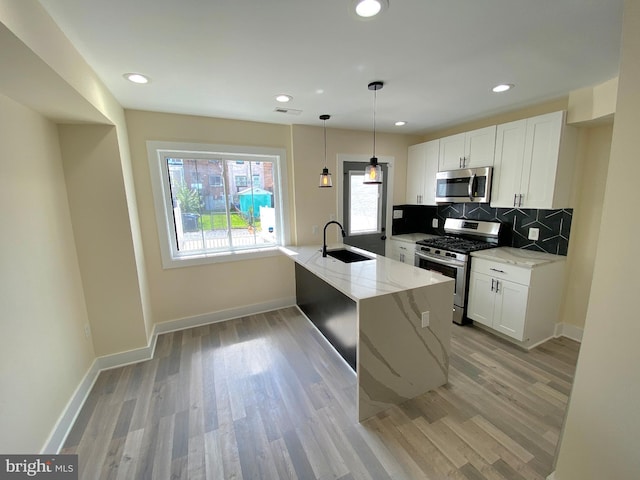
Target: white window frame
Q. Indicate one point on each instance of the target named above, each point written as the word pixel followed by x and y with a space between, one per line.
pixel 171 258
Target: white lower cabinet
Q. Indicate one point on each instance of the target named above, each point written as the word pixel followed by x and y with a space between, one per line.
pixel 519 302
pixel 401 251
pixel 499 304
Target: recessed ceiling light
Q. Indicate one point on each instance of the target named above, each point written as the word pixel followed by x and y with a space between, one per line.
pixel 400 123
pixel 136 77
pixel 503 87
pixel 369 8
pixel 282 98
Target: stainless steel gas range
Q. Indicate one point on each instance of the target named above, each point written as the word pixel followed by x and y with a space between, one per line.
pixel 450 255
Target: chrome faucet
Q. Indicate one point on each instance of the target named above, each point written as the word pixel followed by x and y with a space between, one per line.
pixel 324 236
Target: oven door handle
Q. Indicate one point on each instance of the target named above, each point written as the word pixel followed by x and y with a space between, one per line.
pixel 440 260
pixel 472 179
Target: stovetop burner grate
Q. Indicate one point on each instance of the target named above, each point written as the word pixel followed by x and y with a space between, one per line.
pixel 456 244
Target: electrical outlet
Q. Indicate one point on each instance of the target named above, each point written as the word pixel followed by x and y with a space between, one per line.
pixel 314 229
pixel 434 223
pixel 87 330
pixel 534 233
pixel 425 319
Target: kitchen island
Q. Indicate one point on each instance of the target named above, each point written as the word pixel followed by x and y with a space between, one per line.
pixel 373 312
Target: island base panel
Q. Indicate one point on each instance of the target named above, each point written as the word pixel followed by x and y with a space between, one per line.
pixel 332 312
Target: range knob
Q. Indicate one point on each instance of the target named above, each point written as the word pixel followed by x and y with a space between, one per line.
pixel 426 249
pixel 437 252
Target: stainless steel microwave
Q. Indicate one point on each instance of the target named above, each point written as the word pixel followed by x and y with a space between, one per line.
pixel 465 185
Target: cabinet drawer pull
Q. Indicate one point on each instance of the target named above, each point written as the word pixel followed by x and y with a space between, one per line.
pixel 496 270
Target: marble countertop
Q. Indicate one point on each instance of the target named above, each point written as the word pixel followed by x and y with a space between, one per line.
pixel 413 237
pixel 518 256
pixel 366 279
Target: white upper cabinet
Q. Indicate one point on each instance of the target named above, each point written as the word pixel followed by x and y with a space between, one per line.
pixel 468 150
pixel 422 165
pixel 534 163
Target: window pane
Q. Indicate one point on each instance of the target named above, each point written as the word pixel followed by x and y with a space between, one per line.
pixel 219 202
pixel 364 206
pixel 249 206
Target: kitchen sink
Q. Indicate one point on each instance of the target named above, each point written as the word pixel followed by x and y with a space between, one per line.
pixel 347 256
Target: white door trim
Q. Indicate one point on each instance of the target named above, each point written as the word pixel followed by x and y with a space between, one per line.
pixel 348 157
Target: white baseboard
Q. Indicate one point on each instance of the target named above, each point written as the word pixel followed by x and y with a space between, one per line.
pixel 569 331
pixel 222 315
pixel 71 411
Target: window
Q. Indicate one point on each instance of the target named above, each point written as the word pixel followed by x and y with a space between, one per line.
pixel 215 180
pixel 224 218
pixel 365 206
pixel 241 180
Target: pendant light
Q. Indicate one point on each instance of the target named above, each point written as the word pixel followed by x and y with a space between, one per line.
pixel 373 172
pixel 325 176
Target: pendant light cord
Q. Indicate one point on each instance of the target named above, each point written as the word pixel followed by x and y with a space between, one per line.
pixel 375 97
pixel 325 142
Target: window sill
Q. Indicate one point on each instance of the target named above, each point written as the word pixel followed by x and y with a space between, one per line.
pixel 206 259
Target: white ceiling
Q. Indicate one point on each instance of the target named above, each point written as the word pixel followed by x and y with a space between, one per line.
pixel 438 58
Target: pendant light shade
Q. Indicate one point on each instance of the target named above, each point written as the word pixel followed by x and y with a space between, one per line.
pixel 325 176
pixel 373 172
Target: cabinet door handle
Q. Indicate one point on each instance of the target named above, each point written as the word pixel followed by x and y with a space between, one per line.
pixel 461 162
pixel 520 199
pixel 496 270
pixel 515 196
pixel 493 281
pixel 497 286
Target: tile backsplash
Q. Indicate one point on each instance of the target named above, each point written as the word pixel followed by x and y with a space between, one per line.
pixel 554 225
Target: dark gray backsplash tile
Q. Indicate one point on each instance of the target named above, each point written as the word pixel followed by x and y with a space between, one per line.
pixel 554 225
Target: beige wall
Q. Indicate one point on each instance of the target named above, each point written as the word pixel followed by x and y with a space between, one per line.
pixel 315 205
pixel 601 438
pixel 593 161
pixel 98 206
pixel 63 87
pixel 191 291
pixel 43 351
pixel 516 114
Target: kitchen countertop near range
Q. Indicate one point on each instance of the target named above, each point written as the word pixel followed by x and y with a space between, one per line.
pixel 413 237
pixel 518 256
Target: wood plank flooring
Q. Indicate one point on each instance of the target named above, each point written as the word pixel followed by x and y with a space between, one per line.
pixel 266 397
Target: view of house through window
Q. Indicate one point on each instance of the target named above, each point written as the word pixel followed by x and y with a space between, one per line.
pixel 215 208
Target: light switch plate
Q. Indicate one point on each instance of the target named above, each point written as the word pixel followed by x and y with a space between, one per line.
pixel 425 319
pixel 434 223
pixel 534 233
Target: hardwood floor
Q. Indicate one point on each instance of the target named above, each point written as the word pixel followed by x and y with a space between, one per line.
pixel 266 397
